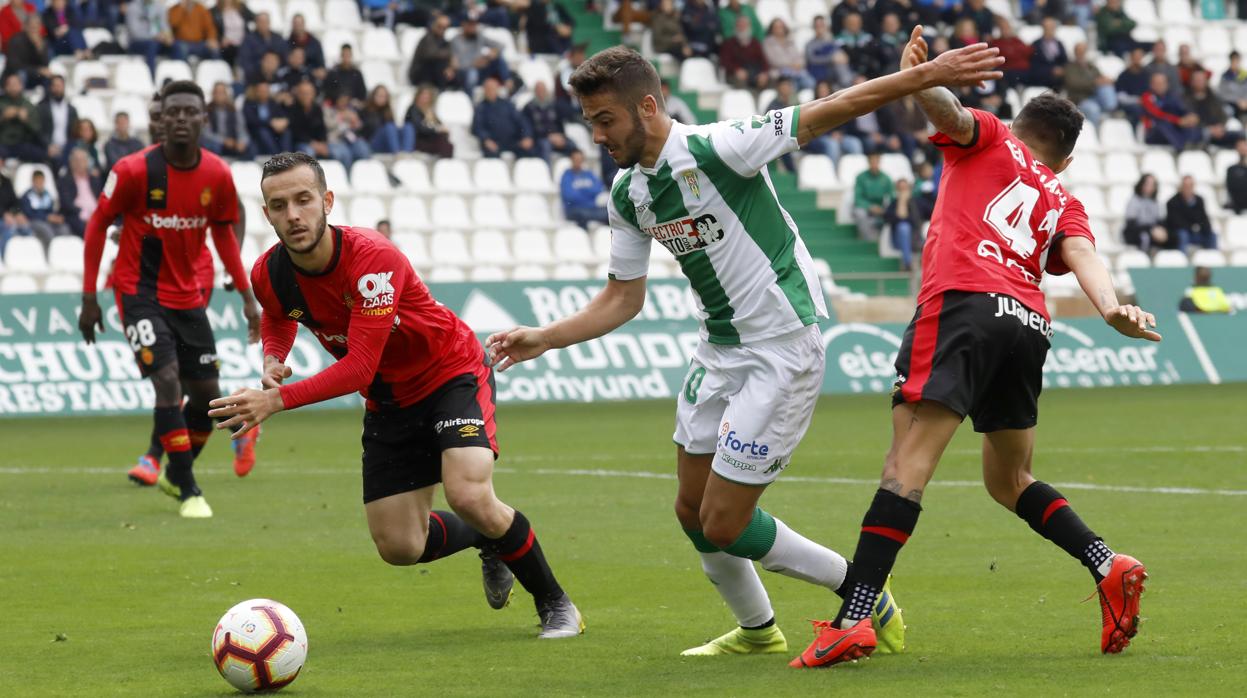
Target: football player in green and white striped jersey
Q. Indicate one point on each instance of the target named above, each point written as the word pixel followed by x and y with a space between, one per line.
pixel 703 192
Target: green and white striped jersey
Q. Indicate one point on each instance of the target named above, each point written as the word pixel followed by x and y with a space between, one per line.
pixel 710 201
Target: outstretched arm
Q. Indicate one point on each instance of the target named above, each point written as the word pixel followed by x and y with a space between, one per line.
pixel 940 105
pixel 1132 321
pixel 965 66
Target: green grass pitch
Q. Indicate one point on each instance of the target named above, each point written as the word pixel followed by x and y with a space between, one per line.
pixel 135 592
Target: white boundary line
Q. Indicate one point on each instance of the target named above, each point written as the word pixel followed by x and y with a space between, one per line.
pixel 1201 353
pixel 652 475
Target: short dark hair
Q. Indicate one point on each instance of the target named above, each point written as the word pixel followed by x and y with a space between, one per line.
pixel 283 162
pixel 620 70
pixel 1234 54
pixel 181 87
pixel 1051 123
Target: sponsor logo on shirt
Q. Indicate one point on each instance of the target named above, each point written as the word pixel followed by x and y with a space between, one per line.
pixel 110 184
pixel 295 314
pixel 468 430
pixel 460 423
pixel 777 117
pixel 331 338
pixel 377 292
pixel 156 195
pixel 174 222
pixel 685 235
pixel 205 359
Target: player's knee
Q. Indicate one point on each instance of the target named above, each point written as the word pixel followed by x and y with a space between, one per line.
pixel 477 505
pixel 721 531
pixel 167 386
pixel 398 550
pixel 1005 490
pixel 686 511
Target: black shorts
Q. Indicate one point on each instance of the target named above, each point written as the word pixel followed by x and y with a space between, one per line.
pixel 403 445
pixel 160 336
pixel 979 354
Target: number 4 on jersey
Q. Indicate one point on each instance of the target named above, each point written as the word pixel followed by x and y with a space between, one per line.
pixel 1010 214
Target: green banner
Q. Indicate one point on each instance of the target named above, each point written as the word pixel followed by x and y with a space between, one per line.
pixel 1218 342
pixel 45 368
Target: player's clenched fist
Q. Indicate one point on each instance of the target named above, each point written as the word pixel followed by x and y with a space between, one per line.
pixel 515 345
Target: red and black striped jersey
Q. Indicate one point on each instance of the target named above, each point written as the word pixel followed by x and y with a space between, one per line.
pixel 166 213
pixel 394 343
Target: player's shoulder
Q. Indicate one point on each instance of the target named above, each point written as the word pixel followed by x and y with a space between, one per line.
pixel 134 163
pixel 210 162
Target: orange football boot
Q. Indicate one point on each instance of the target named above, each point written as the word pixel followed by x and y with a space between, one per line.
pixel 146 472
pixel 833 645
pixel 1119 602
pixel 244 451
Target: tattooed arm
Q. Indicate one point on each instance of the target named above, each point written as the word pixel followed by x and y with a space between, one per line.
pixel 945 112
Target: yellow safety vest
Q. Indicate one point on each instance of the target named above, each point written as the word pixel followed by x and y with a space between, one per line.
pixel 1209 299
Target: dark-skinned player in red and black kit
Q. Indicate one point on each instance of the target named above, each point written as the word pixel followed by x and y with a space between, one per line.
pixel 976 348
pixel 169 195
pixel 147 470
pixel 429 393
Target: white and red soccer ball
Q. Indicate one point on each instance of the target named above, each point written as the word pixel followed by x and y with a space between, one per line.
pixel 259 645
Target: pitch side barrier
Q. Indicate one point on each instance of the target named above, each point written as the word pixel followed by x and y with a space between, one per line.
pixel 46 368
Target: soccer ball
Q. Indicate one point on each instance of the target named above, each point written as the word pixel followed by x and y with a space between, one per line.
pixel 259 645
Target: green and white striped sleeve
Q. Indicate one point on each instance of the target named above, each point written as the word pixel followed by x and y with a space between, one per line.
pixel 748 145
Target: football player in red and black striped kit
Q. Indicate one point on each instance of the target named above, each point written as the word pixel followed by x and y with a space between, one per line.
pixel 169 195
pixel 429 392
pixel 148 468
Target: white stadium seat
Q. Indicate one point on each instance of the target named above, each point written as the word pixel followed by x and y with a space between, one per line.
pixel 570 272
pixel 1197 164
pixel 370 176
pixel 1132 258
pixel 768 10
pixel 91 107
pixel 62 283
pixel 409 213
pixel 492 175
pixel 275 14
pixel 1238 258
pixel 529 272
pixel 414 247
pixel 209 73
pixel 1084 169
pixel 133 105
pixel 1174 12
pixel 1118 196
pixel 533 175
pixel 133 77
pixel 532 246
pixel 366 211
pixel 1236 233
pixel 341 14
pixel 335 177
pixel 1159 163
pixel 94 36
pixel 65 254
pixel 338 214
pixel 310 9
pixel 896 166
pixel 333 39
pixel 454 108
pixel 25 254
pixel 699 75
pixel 531 210
pixel 446 275
pixel 816 173
pixel 452 176
pixel 413 175
pixel 737 104
pixel 490 211
pixel 804 12
pixel 571 244
pixel 13 284
pixel 450 248
pixel 850 167
pixel 536 70
pixel 1120 168
pixel 1088 140
pixel 1208 258
pixel 491 247
pixel 450 213
pixel 380 44
pixel 1118 135
pixel 1170 259
pixel 487 272
pixel 171 70
pixel 1142 11
pixel 85 71
pixel 1092 198
pixel 247 175
pixel 257 224
pixel 379 73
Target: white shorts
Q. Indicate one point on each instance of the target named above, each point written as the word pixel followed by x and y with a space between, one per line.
pixel 750 405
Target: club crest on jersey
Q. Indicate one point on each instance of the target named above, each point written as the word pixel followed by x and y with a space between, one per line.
pixel 685 235
pixel 690 178
pixel 205 196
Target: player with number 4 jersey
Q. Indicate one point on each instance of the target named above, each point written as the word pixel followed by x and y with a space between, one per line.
pixel 976 348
